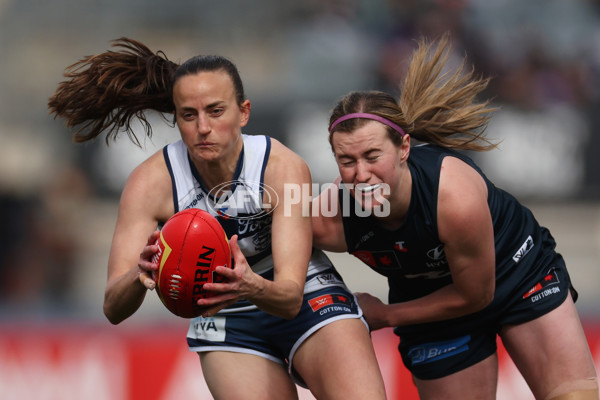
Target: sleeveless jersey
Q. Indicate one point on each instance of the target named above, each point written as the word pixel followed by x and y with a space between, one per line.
pixel 412 257
pixel 239 208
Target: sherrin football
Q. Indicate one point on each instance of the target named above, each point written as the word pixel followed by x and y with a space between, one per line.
pixel 192 244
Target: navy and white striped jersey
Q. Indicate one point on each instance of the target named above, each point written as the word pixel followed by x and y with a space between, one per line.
pixel 239 207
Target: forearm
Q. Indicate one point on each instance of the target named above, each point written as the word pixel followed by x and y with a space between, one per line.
pixel 445 303
pixel 283 298
pixel 123 296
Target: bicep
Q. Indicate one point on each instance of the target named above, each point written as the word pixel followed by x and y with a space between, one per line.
pixel 466 229
pixel 291 233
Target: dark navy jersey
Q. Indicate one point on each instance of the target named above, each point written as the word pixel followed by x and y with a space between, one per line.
pixel 412 257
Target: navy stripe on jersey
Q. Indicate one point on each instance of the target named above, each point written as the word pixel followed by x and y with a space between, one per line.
pixel 264 167
pixel 173 185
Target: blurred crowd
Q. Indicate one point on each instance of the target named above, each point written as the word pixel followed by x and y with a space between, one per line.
pixel 296 60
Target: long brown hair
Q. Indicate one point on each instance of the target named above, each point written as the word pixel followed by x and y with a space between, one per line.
pixel 107 91
pixel 434 107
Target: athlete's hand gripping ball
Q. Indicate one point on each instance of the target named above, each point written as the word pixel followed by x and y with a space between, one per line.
pixel 240 283
pixel 191 245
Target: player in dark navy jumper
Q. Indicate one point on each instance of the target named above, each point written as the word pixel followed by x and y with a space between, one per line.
pixel 464 260
pixel 286 306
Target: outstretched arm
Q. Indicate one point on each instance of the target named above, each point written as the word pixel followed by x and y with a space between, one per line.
pixel 144 202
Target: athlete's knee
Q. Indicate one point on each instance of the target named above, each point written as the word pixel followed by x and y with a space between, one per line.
pixel 580 389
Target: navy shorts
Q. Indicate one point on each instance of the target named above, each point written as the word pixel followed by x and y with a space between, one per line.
pixel 254 331
pixel 438 349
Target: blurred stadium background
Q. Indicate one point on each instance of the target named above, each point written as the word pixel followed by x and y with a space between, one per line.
pixel 58 200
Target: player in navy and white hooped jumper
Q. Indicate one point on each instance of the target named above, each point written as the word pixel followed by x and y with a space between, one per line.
pixel 243 214
pixel 283 308
pixel 465 261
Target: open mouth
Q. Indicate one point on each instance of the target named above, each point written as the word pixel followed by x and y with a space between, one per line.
pixel 367 189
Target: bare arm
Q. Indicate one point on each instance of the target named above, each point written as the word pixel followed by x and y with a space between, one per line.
pixel 327 226
pixel 465 228
pixel 145 200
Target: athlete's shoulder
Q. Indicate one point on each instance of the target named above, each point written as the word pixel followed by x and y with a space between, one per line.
pixel 149 186
pixel 284 153
pixel 154 165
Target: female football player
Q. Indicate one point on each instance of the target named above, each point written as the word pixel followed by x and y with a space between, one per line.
pixel 284 307
pixel 465 261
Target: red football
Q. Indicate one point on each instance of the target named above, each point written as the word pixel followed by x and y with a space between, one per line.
pixel 191 244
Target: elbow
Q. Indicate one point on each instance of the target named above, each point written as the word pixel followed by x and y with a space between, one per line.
pixel 483 299
pixel 292 311
pixel 111 315
pixel 113 311
pixel 292 308
pixel 317 239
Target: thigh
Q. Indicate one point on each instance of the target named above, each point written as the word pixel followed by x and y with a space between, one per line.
pixel 338 362
pixel 479 381
pixel 231 375
pixel 551 349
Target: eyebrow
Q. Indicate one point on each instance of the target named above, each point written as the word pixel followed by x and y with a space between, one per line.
pixel 366 153
pixel 216 103
pixel 208 106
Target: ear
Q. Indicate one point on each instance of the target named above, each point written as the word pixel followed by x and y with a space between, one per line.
pixel 404 148
pixel 245 108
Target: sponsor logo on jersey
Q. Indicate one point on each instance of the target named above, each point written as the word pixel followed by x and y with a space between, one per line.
pixel 546 287
pixel 195 201
pixel 525 248
pixel 211 328
pixel 435 351
pixel 328 279
pixel 400 247
pixel 325 300
pixel 438 256
pixel 437 253
pixel 365 237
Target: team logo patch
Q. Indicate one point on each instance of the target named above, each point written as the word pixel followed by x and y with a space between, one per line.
pixel 435 351
pixel 377 259
pixel 328 300
pixel 543 288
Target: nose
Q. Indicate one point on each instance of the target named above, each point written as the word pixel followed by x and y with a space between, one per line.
pixel 362 172
pixel 203 124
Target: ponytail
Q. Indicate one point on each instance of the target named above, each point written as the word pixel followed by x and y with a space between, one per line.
pixel 105 92
pixel 434 107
